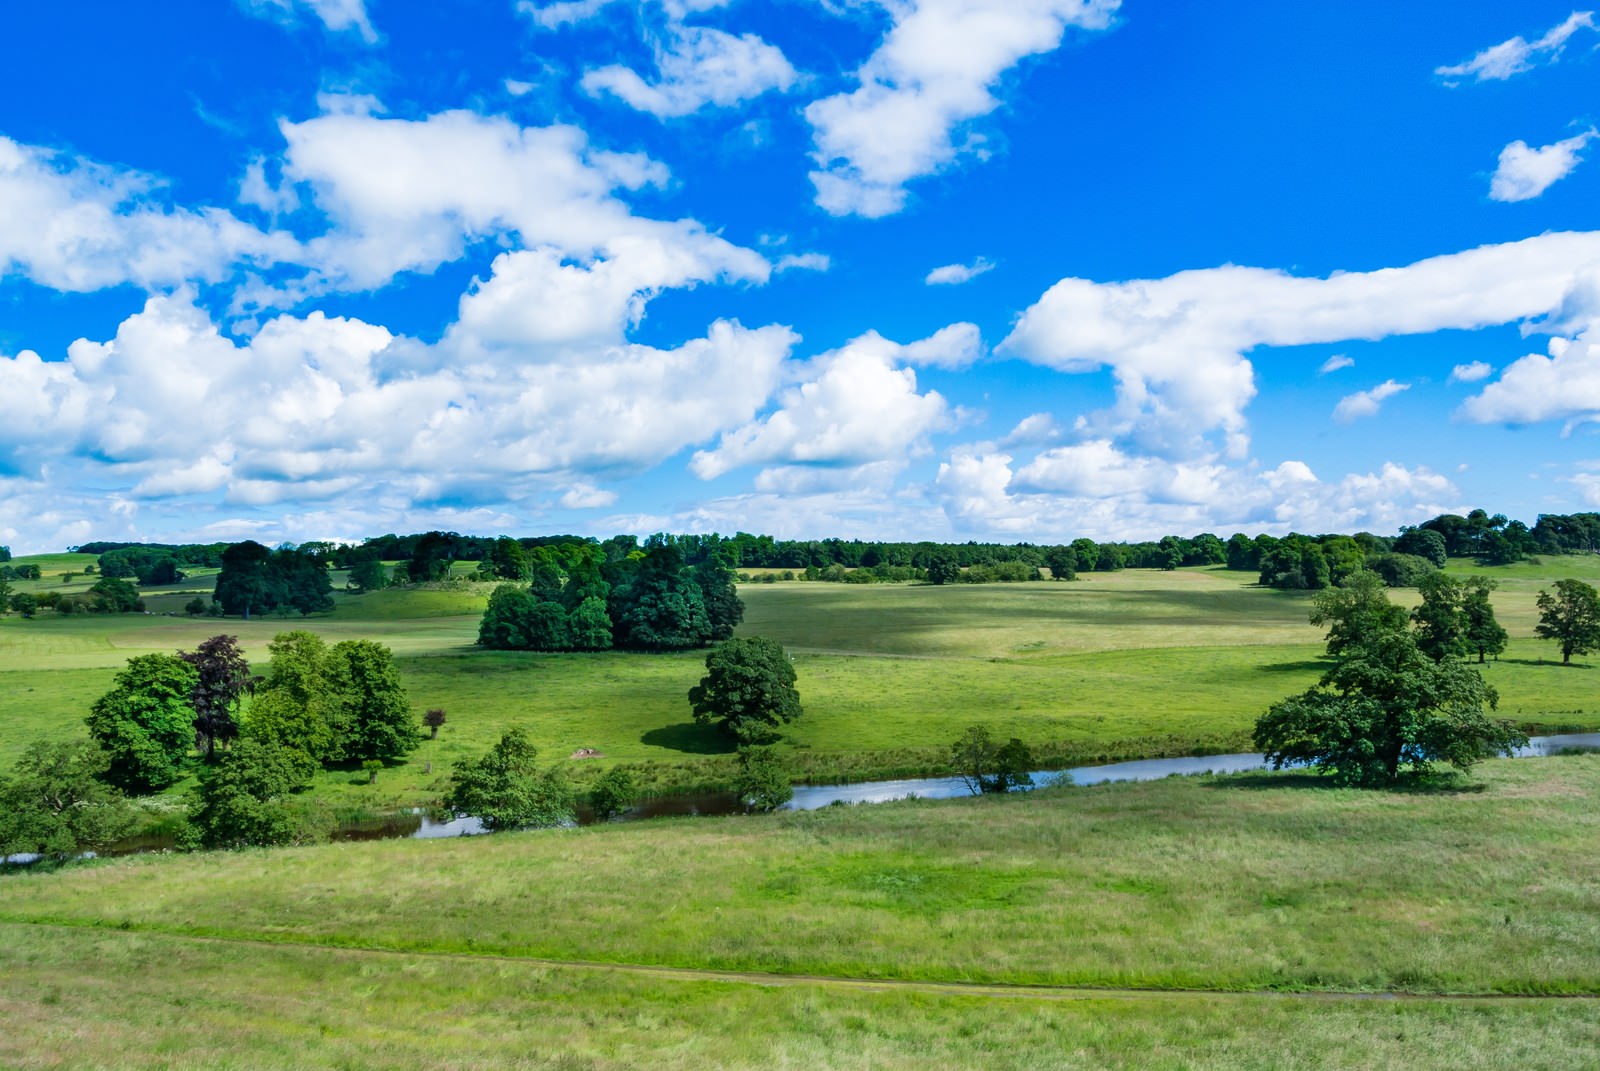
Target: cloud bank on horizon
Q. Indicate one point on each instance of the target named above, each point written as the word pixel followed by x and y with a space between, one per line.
pixel 666 265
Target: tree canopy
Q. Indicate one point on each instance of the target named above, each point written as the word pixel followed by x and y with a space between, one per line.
pixel 504 788
pixel 56 802
pixel 1570 617
pixel 146 722
pixel 748 690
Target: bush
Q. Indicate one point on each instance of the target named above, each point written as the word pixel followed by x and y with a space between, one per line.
pixel 761 782
pixel 613 794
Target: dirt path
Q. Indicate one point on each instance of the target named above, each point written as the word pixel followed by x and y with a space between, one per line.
pixel 991 990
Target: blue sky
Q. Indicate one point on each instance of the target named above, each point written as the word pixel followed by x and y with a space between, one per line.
pixel 297 269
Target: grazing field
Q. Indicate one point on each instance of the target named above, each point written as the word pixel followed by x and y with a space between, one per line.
pixel 414 953
pixel 1117 665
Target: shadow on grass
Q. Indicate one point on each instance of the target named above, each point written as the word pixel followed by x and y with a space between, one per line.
pixel 691 738
pixel 1448 783
pixel 1309 665
pixel 1548 662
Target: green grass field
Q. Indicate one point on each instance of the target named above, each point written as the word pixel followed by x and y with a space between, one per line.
pixel 1114 666
pixel 467 953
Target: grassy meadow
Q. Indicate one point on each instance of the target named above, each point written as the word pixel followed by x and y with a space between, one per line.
pixel 1204 923
pixel 1116 665
pixel 535 949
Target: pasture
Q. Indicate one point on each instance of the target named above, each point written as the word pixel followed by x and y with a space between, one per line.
pixel 1159 925
pixel 1116 665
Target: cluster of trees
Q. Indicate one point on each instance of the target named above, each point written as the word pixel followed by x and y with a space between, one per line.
pixel 1398 698
pixel 194 555
pixel 149 565
pixel 648 601
pixel 256 580
pixel 316 706
pixel 20 572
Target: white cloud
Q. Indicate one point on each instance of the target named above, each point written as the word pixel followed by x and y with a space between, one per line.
pixel 1563 386
pixel 1099 491
pixel 1177 345
pixel 803 262
pixel 587 496
pixel 76 225
pixel 1471 373
pixel 338 16
pixel 954 346
pixel 853 407
pixel 1525 173
pixel 409 195
pixel 310 409
pixel 1366 403
pixel 699 66
pixel 1033 430
pixel 1334 363
pixel 1508 58
pixel 553 15
pixel 932 73
pixel 956 274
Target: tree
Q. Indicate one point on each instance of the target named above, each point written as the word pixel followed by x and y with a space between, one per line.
pixel 505 790
pixel 244 799
pixel 242 585
pixel 589 626
pixel 433 719
pixel 56 803
pixel 1438 620
pixel 366 574
pixel 943 568
pixel 1424 543
pixel 1483 633
pixel 985 766
pixel 368 703
pixel 145 723
pixel 1571 617
pixel 111 596
pixel 195 606
pixel 613 794
pixel 719 592
pixel 25 604
pixel 1383 708
pixel 1355 612
pixel 432 556
pixel 748 689
pixel 222 679
pixel 1062 563
pixel 760 781
pixel 291 707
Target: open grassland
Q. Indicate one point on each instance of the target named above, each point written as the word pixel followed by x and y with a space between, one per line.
pixel 1242 883
pixel 153 1001
pixel 1116 665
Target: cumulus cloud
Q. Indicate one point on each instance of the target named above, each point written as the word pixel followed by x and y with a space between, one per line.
pixel 1097 490
pixel 1562 386
pixel 409 195
pixel 1471 372
pixel 310 409
pixel 1500 62
pixel 1176 345
pixel 1366 403
pixel 339 16
pixel 73 224
pixel 854 406
pixel 698 66
pixel 1334 363
pixel 1525 173
pixel 933 72
pixel 956 274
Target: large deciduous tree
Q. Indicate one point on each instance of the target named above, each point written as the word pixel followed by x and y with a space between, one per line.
pixel 146 723
pixel 748 689
pixel 504 788
pixel 244 799
pixel 987 766
pixel 222 679
pixel 1571 617
pixel 370 702
pixel 55 802
pixel 1384 709
pixel 1482 633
